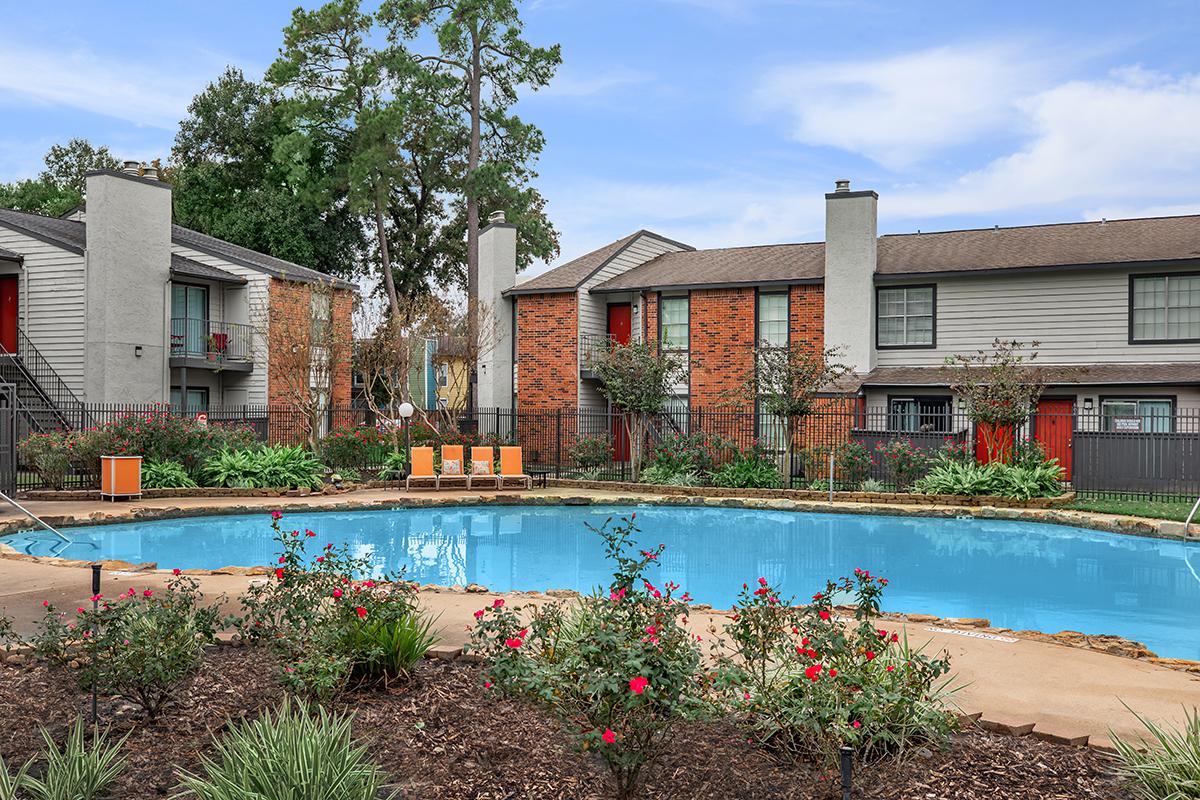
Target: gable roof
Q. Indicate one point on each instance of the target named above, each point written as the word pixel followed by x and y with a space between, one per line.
pixel 775 263
pixel 71 235
pixel 569 276
pixel 1069 244
pixel 187 268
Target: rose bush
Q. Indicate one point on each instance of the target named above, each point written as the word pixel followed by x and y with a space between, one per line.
pixel 804 683
pixel 905 461
pixel 139 645
pixel 618 668
pixel 358 448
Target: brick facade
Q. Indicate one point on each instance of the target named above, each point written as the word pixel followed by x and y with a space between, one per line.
pixel 807 317
pixel 721 344
pixel 547 351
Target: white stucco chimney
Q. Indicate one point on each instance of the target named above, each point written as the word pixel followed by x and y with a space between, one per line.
pixel 851 222
pixel 497 272
pixel 128 268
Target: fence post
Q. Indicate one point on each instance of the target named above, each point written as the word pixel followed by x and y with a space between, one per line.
pixel 558 443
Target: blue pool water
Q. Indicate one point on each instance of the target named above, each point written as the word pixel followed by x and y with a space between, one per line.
pixel 1019 575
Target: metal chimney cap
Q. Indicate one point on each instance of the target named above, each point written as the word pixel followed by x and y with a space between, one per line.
pixel 842 185
pixel 150 173
pixel 496 217
pixel 132 168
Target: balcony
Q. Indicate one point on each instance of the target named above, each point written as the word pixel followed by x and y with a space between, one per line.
pixel 591 347
pixel 203 344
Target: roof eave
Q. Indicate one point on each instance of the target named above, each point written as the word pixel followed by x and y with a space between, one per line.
pixel 888 277
pixel 678 287
pixel 41 237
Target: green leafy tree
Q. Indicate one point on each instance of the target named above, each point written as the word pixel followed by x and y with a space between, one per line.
pixel 482 52
pixel 787 380
pixel 999 388
pixel 242 173
pixel 637 379
pixel 59 188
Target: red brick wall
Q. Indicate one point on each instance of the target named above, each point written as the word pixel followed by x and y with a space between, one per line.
pixel 547 351
pixel 721 349
pixel 651 317
pixel 807 316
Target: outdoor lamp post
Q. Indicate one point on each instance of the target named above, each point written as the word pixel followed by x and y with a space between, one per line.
pixel 406 412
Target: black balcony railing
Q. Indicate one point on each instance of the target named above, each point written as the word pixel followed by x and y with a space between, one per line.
pixel 213 341
pixel 591 347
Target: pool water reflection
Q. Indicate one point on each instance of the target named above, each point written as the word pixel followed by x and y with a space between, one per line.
pixel 1019 575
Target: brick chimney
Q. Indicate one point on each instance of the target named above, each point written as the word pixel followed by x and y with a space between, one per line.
pixel 497 272
pixel 851 221
pixel 128 269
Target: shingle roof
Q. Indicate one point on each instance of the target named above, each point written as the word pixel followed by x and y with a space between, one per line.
pixel 1066 244
pixel 188 268
pixel 9 255
pixel 1097 374
pixel 789 263
pixel 570 275
pixel 72 235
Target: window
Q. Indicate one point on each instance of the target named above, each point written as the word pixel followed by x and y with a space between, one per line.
pixel 1164 308
pixel 189 319
pixel 905 316
pixel 443 374
pixel 674 323
pixel 772 431
pixel 197 399
pixel 919 414
pixel 1137 415
pixel 773 320
pixel 321 314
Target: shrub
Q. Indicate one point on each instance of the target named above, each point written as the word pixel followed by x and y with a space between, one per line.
pixel 1170 770
pixel 80 770
pixel 619 668
pixel 354 448
pixel 1027 453
pixel 278 467
pixel 165 475
pixel 853 461
pixel 905 462
pixel 140 646
pixel 590 452
pixel 665 476
pixel 804 684
pixel 290 754
pixel 394 466
pixel 957 452
pixel 50 456
pixel 749 469
pixel 9 782
pixel 683 453
pixel 996 478
pixel 872 485
pixel 314 611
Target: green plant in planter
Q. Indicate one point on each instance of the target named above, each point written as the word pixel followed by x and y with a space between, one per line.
pixel 618 668
pixel 295 752
pixel 166 475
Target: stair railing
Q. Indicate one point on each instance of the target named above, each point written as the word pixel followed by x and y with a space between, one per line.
pixel 47 380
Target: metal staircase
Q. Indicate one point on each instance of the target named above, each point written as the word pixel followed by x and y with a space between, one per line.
pixel 43 401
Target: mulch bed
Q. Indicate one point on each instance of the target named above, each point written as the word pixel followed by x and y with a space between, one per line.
pixel 444 736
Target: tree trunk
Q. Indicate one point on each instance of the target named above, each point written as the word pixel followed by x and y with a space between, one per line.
pixel 385 256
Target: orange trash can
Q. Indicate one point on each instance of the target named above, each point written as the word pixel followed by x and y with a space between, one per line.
pixel 120 476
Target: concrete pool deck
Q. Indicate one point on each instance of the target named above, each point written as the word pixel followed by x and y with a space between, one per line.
pixel 1023 686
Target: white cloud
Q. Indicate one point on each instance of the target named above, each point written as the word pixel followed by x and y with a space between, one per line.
pixel 903 109
pixel 1126 141
pixel 81 79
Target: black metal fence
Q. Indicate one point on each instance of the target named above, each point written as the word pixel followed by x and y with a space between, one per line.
pixel 1149 455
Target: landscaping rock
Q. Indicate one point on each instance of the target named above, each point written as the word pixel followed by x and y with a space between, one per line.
pixel 562 593
pixel 475 588
pixel 968 622
pixel 233 570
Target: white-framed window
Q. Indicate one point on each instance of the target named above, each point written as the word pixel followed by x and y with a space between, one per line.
pixel 772 319
pixel 905 316
pixel 1137 415
pixel 674 322
pixel 1164 308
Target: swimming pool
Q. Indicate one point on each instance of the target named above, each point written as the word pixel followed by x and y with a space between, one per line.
pixel 1019 575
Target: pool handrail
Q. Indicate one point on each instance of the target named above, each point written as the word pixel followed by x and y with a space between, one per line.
pixel 34 517
pixel 1187 523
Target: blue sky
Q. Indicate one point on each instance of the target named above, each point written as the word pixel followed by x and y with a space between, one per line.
pixel 721 122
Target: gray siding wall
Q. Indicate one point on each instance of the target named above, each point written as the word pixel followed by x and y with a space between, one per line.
pixel 252 310
pixel 593 313
pixel 52 303
pixel 1079 317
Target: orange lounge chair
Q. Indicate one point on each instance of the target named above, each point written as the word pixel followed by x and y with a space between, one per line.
pixel 482 468
pixel 512 469
pixel 453 469
pixel 421 468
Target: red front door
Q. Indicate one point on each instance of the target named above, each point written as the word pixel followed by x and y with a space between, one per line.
pixel 620 328
pixel 8 313
pixel 1054 427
